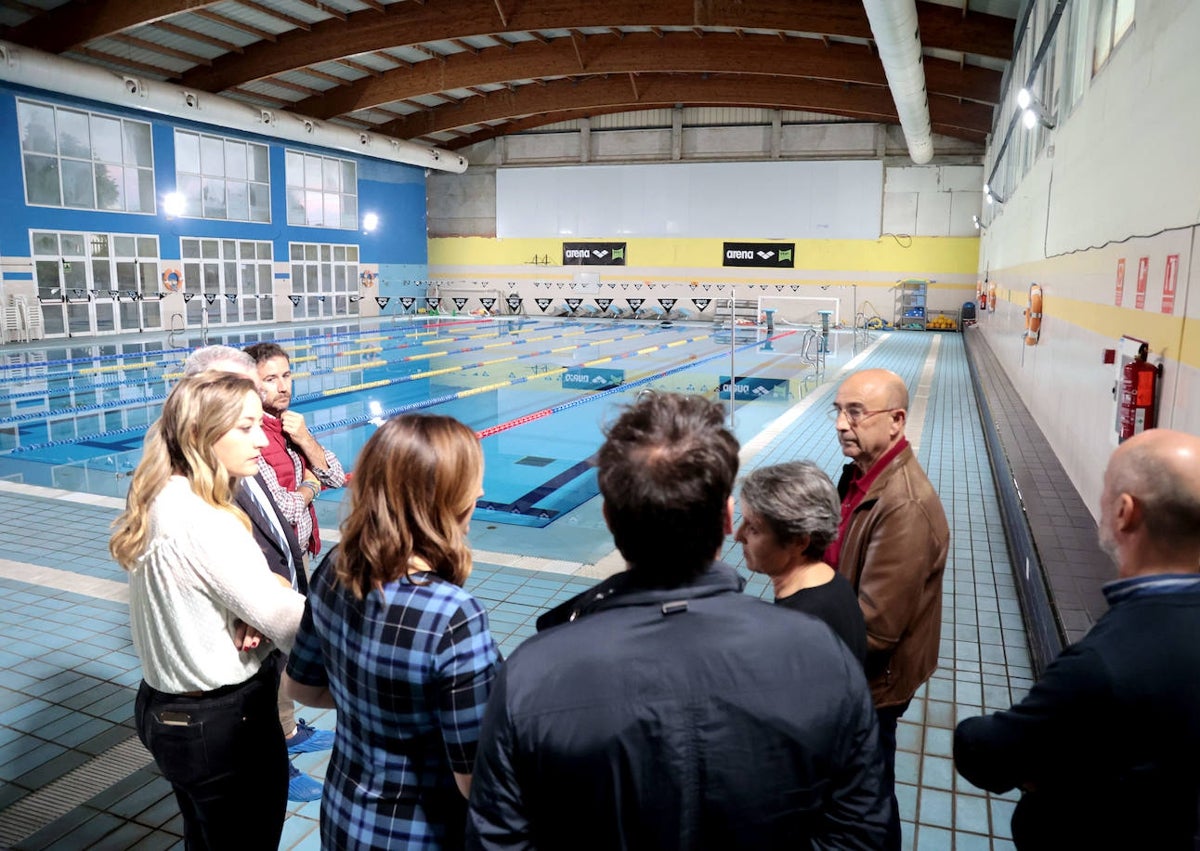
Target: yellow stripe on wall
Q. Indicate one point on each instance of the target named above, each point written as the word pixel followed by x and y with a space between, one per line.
pixel 934 255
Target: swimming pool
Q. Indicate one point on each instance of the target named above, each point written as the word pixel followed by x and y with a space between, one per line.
pixel 538 391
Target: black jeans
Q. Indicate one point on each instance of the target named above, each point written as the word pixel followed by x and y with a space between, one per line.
pixel 226 759
pixel 889 718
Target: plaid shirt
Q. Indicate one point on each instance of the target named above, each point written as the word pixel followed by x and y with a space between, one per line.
pixel 410 671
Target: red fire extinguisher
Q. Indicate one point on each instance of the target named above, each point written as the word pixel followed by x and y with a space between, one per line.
pixel 983 300
pixel 1138 380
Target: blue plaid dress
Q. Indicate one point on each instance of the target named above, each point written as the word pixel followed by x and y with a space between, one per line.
pixel 409 670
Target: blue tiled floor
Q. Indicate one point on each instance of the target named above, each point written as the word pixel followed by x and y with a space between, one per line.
pixel 68 672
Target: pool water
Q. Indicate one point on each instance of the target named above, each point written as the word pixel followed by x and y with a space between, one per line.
pixel 538 391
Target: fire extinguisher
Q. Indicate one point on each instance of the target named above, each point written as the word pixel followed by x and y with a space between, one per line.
pixel 1138 386
pixel 983 301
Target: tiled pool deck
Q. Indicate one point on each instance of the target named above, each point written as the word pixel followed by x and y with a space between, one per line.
pixel 73 775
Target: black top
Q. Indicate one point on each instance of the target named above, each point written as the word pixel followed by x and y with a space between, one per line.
pixel 835 603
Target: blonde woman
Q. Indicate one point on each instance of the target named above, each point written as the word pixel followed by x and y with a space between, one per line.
pixel 206 708
pixel 392 641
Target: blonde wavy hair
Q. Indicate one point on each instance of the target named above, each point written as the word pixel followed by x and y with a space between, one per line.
pixel 199 411
pixel 413 490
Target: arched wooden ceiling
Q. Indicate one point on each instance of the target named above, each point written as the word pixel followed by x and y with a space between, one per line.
pixel 456 72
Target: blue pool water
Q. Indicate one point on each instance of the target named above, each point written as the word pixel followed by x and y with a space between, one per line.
pixel 539 391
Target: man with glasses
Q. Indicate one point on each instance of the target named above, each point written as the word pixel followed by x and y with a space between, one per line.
pixel 892 543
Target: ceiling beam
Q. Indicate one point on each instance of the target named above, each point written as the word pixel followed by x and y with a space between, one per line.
pixel 402 24
pixel 122 62
pixel 236 25
pixel 869 103
pixel 325 8
pixel 144 44
pixel 167 26
pixel 644 52
pixel 78 22
pixel 299 23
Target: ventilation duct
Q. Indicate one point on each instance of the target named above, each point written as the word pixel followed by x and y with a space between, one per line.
pixel 898 39
pixel 56 75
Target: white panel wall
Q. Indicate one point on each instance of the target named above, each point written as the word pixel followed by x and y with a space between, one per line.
pixel 796 200
pixel 1120 179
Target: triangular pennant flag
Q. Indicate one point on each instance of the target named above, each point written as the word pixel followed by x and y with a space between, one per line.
pixel 513 302
pixel 624 286
pixel 354 299
pixel 294 299
pixel 433 303
pixel 667 303
pixel 574 303
pixel 382 300
pixel 543 303
pixel 701 303
pixel 707 287
pixel 114 293
pixel 561 285
pixel 210 297
pixel 488 303
pixel 603 303
pixel 406 302
pixel 188 297
pixel 460 303
pixel 321 299
pixel 232 297
pixel 637 286
pixel 795 287
pixel 635 303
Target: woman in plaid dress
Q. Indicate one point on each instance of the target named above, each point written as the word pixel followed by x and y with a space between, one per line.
pixel 391 640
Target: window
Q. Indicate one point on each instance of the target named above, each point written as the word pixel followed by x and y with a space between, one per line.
pixel 222 178
pixel 1113 20
pixel 232 280
pixel 321 191
pixel 1075 58
pixel 85 160
pixel 324 280
pixel 96 283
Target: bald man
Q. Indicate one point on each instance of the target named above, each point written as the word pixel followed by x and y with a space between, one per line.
pixel 1106 746
pixel 891 545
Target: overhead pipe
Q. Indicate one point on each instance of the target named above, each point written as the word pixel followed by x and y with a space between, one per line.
pixel 897 37
pixel 23 66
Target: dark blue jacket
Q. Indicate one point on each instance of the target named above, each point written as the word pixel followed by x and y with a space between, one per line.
pixel 1108 740
pixel 684 718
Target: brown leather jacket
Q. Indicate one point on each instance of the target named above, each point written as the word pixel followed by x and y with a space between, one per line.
pixel 894 554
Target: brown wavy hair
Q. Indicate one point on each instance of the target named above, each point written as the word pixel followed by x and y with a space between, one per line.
pixel 199 411
pixel 413 490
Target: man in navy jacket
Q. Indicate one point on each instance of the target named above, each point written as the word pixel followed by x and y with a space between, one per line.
pixel 668 710
pixel 1106 746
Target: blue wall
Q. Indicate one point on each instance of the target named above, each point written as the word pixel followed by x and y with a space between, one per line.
pixel 396 193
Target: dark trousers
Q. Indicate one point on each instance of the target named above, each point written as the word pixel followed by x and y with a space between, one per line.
pixel 225 758
pixel 889 718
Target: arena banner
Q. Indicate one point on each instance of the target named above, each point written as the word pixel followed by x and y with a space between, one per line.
pixel 764 255
pixel 591 378
pixel 593 254
pixel 748 388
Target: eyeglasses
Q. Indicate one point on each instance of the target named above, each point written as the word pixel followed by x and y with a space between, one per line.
pixel 854 414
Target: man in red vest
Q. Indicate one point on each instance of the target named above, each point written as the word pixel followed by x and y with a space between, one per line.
pixel 293 464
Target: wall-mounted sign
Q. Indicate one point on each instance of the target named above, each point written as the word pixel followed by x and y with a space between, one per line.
pixel 593 254
pixel 770 255
pixel 1170 281
pixel 1139 300
pixel 1120 294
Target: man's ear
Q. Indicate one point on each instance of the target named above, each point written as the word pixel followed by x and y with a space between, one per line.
pixel 728 518
pixel 899 419
pixel 1128 514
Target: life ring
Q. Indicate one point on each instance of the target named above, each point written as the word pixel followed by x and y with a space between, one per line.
pixel 1033 316
pixel 367 279
pixel 172 280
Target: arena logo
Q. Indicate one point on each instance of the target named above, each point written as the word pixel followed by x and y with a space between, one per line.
pixel 768 255
pixel 594 253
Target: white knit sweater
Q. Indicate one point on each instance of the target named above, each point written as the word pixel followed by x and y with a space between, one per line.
pixel 201 572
